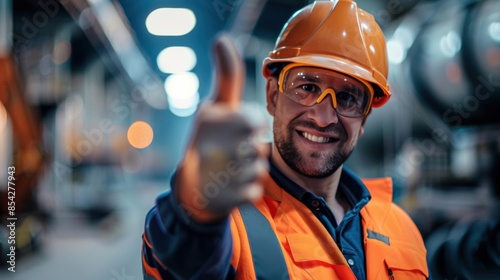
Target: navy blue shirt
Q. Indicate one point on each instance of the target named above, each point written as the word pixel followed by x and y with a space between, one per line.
pixel 348 233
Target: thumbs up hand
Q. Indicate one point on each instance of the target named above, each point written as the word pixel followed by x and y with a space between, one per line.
pixel 222 165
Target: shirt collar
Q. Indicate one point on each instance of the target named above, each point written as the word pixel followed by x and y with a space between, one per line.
pixel 350 185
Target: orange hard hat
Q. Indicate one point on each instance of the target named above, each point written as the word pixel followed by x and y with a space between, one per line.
pixel 336 35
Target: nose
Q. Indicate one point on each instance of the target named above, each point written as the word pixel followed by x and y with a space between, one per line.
pixel 324 112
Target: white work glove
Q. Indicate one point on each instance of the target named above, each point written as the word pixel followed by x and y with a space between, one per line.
pixel 223 163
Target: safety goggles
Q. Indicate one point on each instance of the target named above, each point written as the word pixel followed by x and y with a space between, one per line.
pixel 308 85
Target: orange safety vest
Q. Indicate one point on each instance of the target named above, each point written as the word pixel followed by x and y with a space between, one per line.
pixel 394 248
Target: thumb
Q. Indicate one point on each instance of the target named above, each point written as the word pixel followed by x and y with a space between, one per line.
pixel 229 72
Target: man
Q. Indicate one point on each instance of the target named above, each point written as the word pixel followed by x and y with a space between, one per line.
pixel 309 217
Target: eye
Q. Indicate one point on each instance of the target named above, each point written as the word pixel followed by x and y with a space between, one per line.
pixel 309 88
pixel 346 99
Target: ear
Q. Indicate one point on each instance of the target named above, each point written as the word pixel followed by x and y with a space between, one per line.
pixel 362 128
pixel 272 92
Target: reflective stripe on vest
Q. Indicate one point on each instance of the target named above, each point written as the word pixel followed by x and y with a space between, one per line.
pixel 268 260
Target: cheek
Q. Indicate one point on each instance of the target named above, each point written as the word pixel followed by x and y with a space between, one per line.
pixel 280 123
pixel 287 110
pixel 354 129
pixel 284 115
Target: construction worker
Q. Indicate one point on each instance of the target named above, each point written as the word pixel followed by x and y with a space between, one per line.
pixel 236 211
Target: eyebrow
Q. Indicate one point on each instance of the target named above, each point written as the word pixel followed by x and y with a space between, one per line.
pixel 309 78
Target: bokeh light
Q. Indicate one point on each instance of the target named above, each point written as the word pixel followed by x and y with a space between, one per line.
pixel 140 135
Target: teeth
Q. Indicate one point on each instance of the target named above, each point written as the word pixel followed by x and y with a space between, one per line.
pixel 315 138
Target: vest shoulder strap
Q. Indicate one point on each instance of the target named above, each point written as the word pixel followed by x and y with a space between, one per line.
pixel 268 259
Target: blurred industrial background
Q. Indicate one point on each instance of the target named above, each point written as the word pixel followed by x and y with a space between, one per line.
pixel 97 99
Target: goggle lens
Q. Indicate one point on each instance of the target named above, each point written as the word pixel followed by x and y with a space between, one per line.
pixel 310 85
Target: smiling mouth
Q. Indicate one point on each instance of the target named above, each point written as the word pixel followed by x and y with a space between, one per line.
pixel 316 139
